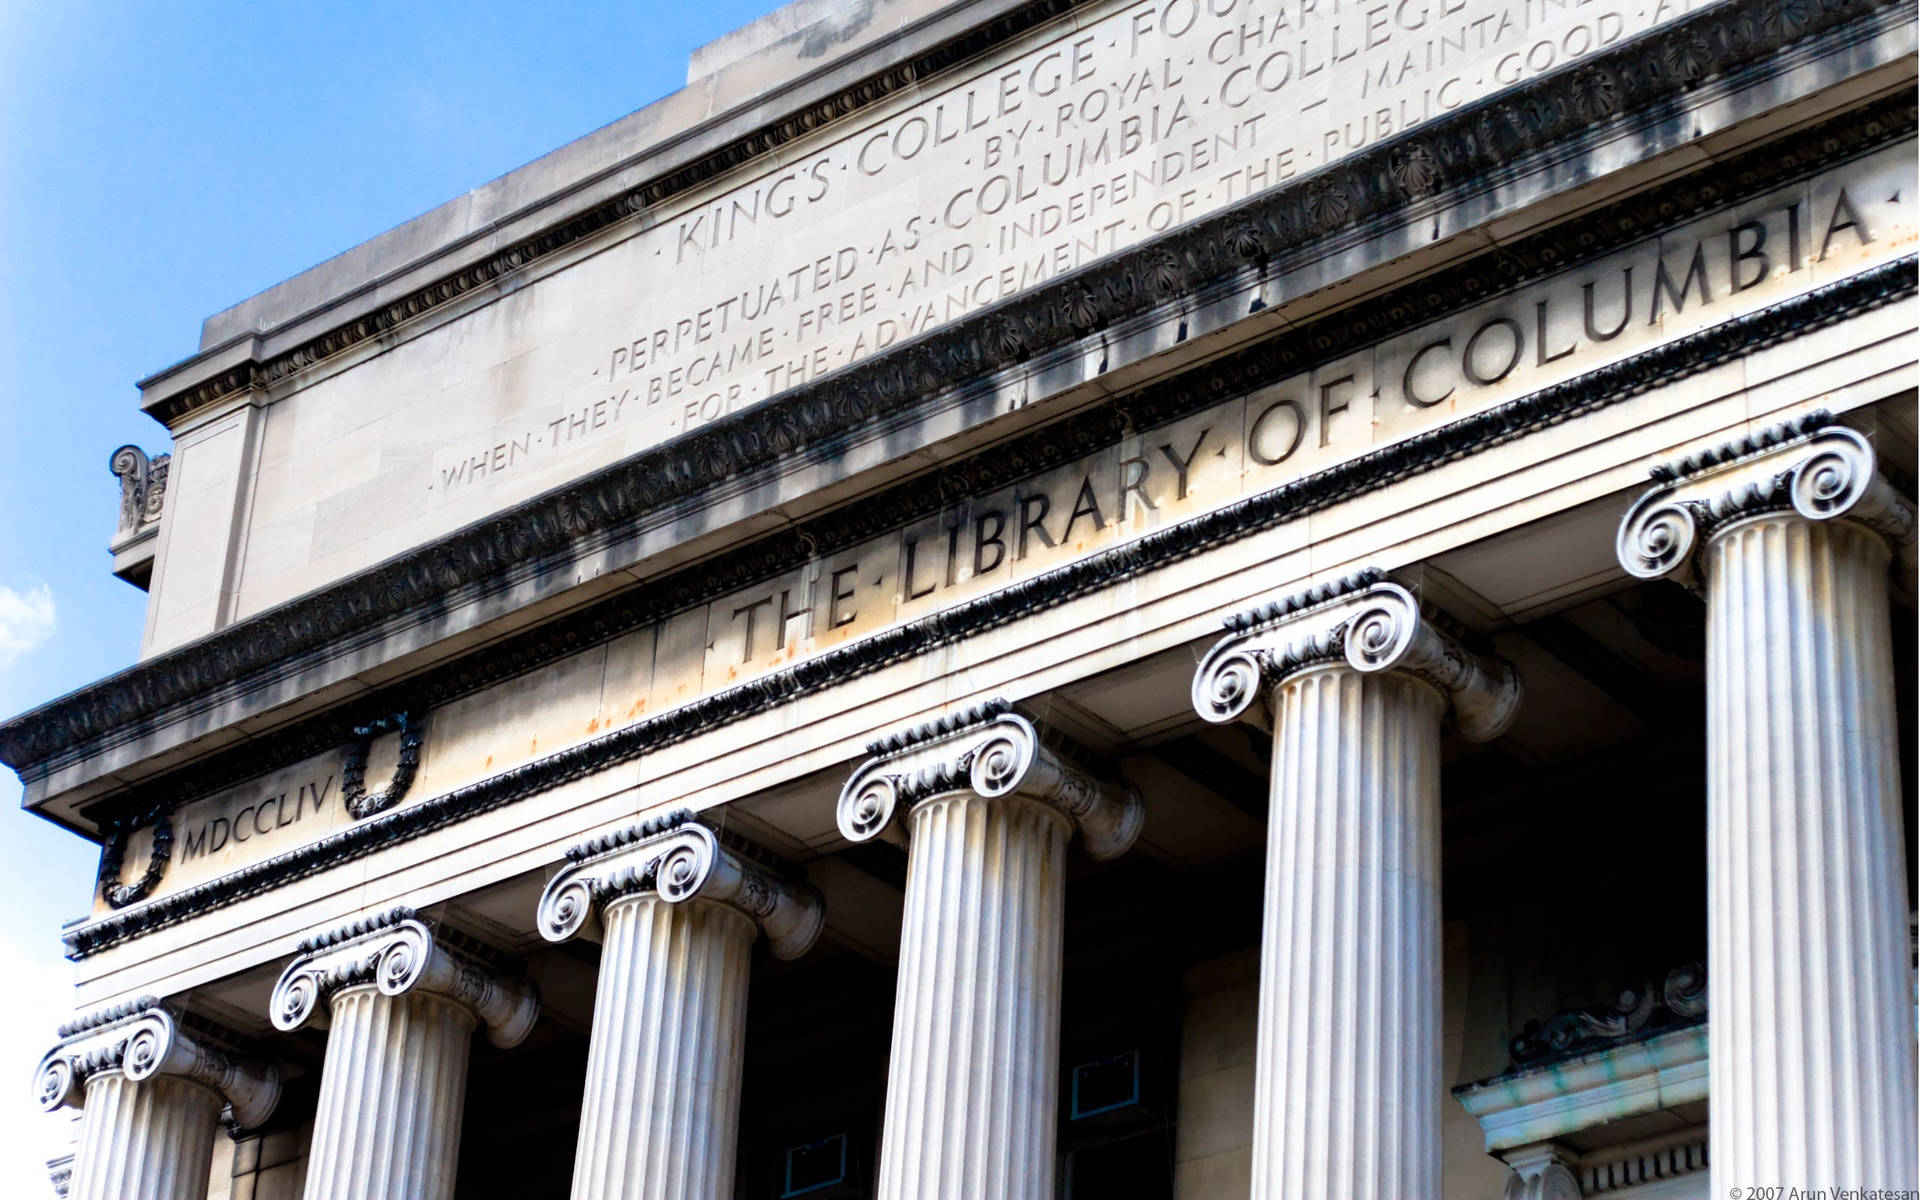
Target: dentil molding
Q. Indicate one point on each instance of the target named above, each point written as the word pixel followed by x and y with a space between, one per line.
pixel 680 860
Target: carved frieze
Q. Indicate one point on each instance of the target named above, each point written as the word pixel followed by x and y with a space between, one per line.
pixel 1056 444
pixel 1809 465
pixel 1285 503
pixel 992 751
pixel 144 1038
pixel 1370 624
pixel 1638 1011
pixel 1461 147
pixel 679 859
pixel 397 953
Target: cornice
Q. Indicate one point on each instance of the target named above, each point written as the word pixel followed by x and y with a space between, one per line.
pixel 1670 362
pixel 1634 82
pixel 1517 264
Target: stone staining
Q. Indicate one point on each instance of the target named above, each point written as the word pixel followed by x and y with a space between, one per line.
pixel 675 913
pixel 1790 534
pixel 402 1003
pixel 987 812
pixel 152 1088
pixel 1347 1085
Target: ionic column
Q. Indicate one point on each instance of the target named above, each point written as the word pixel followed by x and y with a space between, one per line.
pixel 1789 534
pixel 1347 1087
pixel 401 1002
pixel 675 912
pixel 151 1084
pixel 986 812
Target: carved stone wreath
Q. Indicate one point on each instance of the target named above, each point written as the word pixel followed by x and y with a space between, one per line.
pixel 113 854
pixel 410 724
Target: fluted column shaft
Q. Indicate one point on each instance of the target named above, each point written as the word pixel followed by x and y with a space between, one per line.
pixel 1357 678
pixel 148 1139
pixel 976 1023
pixel 392 1090
pixel 676 911
pixel 662 1109
pixel 1347 1076
pixel 1812 1034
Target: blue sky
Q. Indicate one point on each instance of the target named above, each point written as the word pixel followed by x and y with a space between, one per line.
pixel 158 163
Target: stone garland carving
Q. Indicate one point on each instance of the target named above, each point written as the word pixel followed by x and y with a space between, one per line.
pixel 678 859
pixel 143 488
pixel 410 723
pixel 1808 465
pixel 1370 624
pixel 145 1038
pixel 397 953
pixel 1636 1012
pixel 1461 147
pixel 994 752
pixel 1630 377
pixel 113 854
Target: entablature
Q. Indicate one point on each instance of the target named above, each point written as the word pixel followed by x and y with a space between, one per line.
pixel 571 547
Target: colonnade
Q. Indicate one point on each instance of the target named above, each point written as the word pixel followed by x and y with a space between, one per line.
pixel 1788 537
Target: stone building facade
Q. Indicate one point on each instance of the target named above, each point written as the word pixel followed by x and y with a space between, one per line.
pixel 1047 598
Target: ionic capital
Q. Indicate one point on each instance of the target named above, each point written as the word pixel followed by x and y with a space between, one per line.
pixel 1368 623
pixel 1542 1171
pixel 679 859
pixel 993 751
pixel 398 953
pixel 1808 466
pixel 145 1038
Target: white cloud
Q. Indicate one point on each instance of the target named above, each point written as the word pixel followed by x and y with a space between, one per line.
pixel 26 620
pixel 36 998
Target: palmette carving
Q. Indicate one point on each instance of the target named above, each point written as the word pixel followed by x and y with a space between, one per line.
pixel 995 752
pixel 679 860
pixel 1372 625
pixel 146 1038
pixel 397 953
pixel 1807 465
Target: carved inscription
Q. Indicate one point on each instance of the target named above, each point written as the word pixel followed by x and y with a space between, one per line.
pixel 260 817
pixel 1703 273
pixel 1153 115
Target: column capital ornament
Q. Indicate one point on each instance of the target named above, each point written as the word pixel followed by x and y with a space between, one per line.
pixel 680 859
pixel 993 751
pixel 1808 465
pixel 147 1037
pixel 1372 625
pixel 1542 1171
pixel 397 953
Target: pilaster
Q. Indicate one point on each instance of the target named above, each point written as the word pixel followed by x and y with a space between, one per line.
pixel 151 1083
pixel 986 811
pixel 1356 683
pixel 401 1001
pixel 1789 535
pixel 675 911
